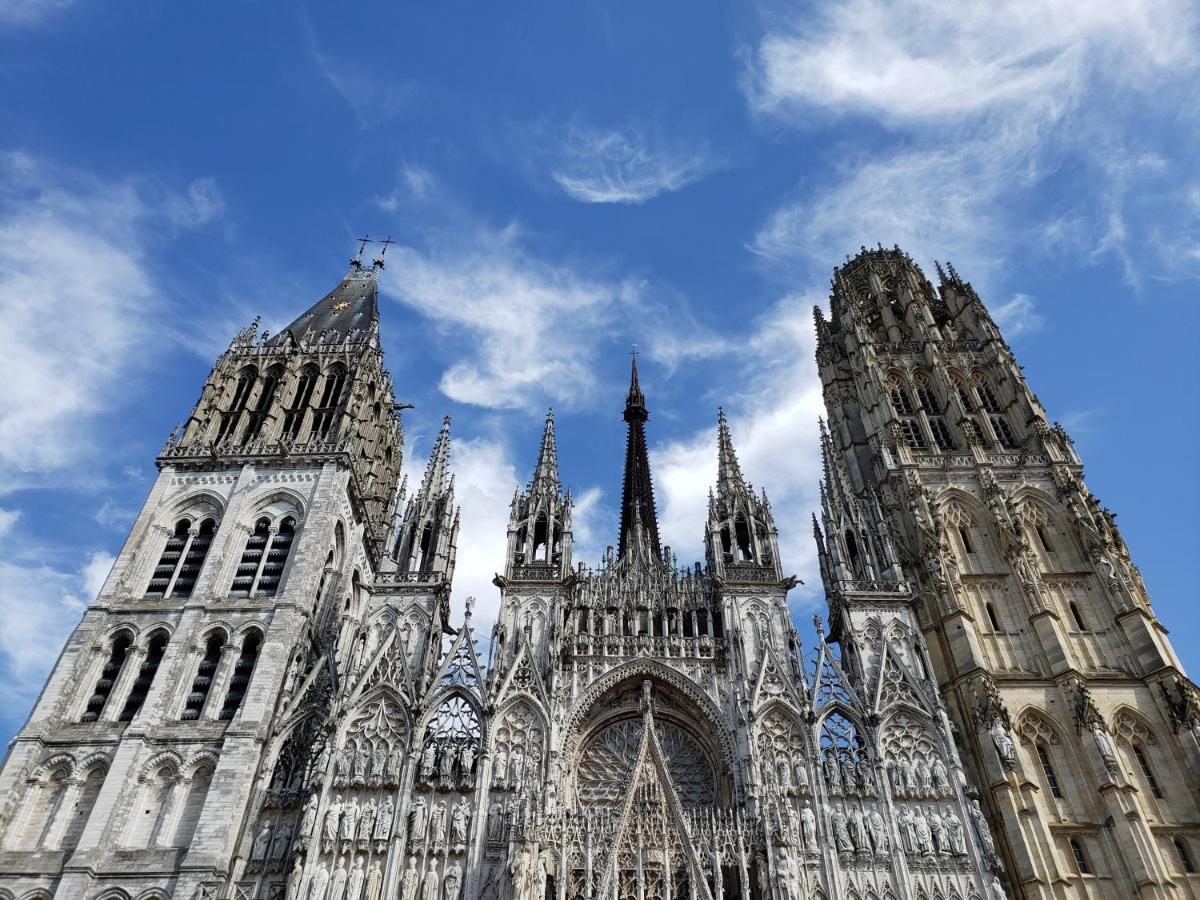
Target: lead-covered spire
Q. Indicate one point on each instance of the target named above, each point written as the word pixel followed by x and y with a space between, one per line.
pixel 350 312
pixel 639 521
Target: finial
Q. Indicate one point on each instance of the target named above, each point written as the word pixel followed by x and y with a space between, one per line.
pixel 362 246
pixel 386 242
pixel 470 605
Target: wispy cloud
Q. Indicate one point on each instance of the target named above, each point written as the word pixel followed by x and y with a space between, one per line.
pixel 24 13
pixel 625 166
pixel 1018 316
pixel 986 102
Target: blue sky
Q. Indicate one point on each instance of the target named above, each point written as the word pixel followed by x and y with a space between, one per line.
pixel 564 180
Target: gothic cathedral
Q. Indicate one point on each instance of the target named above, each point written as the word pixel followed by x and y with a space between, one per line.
pixel 269 699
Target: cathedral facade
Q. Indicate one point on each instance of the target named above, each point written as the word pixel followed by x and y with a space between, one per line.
pixel 269 698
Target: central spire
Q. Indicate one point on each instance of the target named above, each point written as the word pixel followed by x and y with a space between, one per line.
pixel 639 523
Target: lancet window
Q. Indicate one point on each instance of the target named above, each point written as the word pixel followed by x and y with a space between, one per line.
pixel 242 670
pixel 148 819
pixel 325 414
pixel 262 406
pixel 237 404
pixel 156 646
pixel 450 750
pixel 844 761
pixel 206 670
pixel 192 805
pixel 264 557
pixel 293 417
pixel 117 652
pixel 182 558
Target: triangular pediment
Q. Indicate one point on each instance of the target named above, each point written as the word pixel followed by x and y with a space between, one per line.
pixel 774 682
pixel 522 678
pixel 460 667
pixel 830 684
pixel 388 668
pixel 896 683
pixel 652 819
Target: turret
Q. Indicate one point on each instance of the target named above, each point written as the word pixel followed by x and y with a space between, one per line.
pixel 539 526
pixel 428 534
pixel 741 542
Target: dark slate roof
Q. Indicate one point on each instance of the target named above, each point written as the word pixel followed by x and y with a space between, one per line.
pixel 352 306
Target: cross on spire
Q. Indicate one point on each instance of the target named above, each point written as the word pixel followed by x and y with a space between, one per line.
pixel 362 246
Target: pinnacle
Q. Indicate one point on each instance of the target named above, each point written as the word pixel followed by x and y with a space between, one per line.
pixel 546 472
pixel 729 473
pixel 438 469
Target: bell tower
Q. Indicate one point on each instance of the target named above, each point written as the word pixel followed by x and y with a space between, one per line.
pixel 223 614
pixel 946 483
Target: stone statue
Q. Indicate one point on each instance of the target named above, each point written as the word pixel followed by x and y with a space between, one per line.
pixel 460 820
pixel 516 774
pixel 896 778
pixel 801 774
pixel 322 762
pixel 350 820
pixel 1005 747
pixel 366 822
pixel 280 843
pixel 982 830
pixel 259 851
pixel 466 762
pixel 910 781
pixel 319 883
pixel 408 880
pixel 938 832
pixel 519 870
pixel 362 762
pixel 392 766
pixel 862 837
pixel 997 890
pixel 495 821
pixel 1105 745
pixel 446 765
pixel 430 884
pixel 345 763
pixel 941 777
pixel 954 834
pixel 437 824
pixel 924 779
pixel 295 879
pixel 378 761
pixel 879 835
pixel 374 882
pixel 383 824
pixel 337 882
pixel 309 818
pixel 354 882
pixel 841 832
pixel 417 820
pixel 785 774
pixel 452 886
pixel 500 768
pixel 862 777
pixel 924 837
pixel 908 830
pixel 833 776
pixel 429 762
pixel 808 822
pixel 332 816
pixel 847 774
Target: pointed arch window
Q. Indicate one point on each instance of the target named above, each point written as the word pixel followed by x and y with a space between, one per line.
pixel 964 396
pixel 1043 754
pixel 926 396
pixel 1081 859
pixel 151 808
pixel 424 550
pixel 1185 856
pixel 293 417
pixel 1076 615
pixel 81 808
pixel 44 805
pixel 993 620
pixel 964 535
pixel 182 559
pixel 985 394
pixel 264 557
pixel 898 394
pixel 1044 538
pixel 262 406
pixel 118 651
pixel 910 430
pixel 240 680
pixel 205 671
pixel 853 555
pixel 972 431
pixel 193 805
pixel 155 648
pixel 1139 753
pixel 540 530
pixel 941 433
pixel 237 405
pixel 325 414
pixel 1004 433
pixel 742 532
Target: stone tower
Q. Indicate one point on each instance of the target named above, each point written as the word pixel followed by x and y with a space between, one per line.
pixel 952 505
pixel 219 625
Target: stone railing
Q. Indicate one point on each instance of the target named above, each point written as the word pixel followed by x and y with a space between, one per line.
pixel 753 574
pixel 863 586
pixel 703 647
pixel 405 578
pixel 968 346
pixel 536 572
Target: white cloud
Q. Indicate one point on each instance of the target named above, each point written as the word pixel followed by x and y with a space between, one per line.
pixel 1018 316
pixel 774 428
pixel 201 204
pixel 989 102
pixel 8 518
pixel 15 13
pixel 96 572
pixel 629 166
pixel 948 59
pixel 76 301
pixel 525 330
